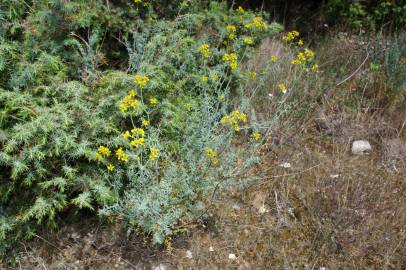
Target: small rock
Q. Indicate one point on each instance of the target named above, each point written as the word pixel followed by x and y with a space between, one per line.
pixel 334 175
pixel 189 254
pixel 361 146
pixel 285 165
pixel 232 256
pixel 211 249
pixel 263 210
pixel 160 267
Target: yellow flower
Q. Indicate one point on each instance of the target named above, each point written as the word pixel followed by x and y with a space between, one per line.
pixel 240 10
pixel 248 41
pixel 253 75
pixel 296 62
pixel 134 104
pixel 110 167
pixel 300 42
pixel 126 134
pixel 301 57
pixel 153 101
pixel 234 119
pixel 129 101
pixel 282 88
pixel 144 122
pixel 221 97
pixel 231 28
pixel 232 36
pixel 204 49
pixel 240 116
pixel 131 93
pixel 104 150
pixel 315 67
pixel 137 142
pixel 212 155
pixel 248 26
pixel 231 60
pixel 309 53
pixel 121 155
pixel 290 36
pixel 99 157
pixel 225 120
pixel 141 80
pixel 137 1
pixel 138 132
pixel 154 153
pixel 259 23
pixel 204 78
pixel 123 107
pixel 256 136
pixel 214 77
pixel 274 58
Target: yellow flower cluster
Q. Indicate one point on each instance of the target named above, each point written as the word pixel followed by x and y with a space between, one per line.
pixel 248 41
pixel 257 23
pixel 282 88
pixel 231 29
pixel 256 136
pixel 144 122
pixel 231 60
pixel 110 167
pixel 153 101
pixel 141 80
pixel 137 135
pixel 129 101
pixel 154 153
pixel 303 57
pixel 204 49
pixel 234 119
pixel 102 152
pixel 213 156
pixel 121 155
pixel 274 58
pixel 290 36
pixel 240 10
pixel 253 75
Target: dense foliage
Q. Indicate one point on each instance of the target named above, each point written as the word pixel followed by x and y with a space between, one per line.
pixel 107 108
pixel 370 14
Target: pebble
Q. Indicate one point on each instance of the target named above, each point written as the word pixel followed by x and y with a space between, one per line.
pixel 189 254
pixel 285 165
pixel 232 256
pixel 361 146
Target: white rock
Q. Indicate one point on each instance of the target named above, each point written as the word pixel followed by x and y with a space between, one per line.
pixel 361 146
pixel 189 254
pixel 232 256
pixel 334 175
pixel 262 209
pixel 160 267
pixel 211 249
pixel 285 165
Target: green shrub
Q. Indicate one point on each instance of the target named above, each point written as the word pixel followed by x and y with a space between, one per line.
pixel 371 14
pixel 145 139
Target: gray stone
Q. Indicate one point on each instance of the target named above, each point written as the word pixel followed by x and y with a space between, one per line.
pixel 360 147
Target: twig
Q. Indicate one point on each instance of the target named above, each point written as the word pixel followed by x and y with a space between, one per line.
pixel 355 72
pixel 46 241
